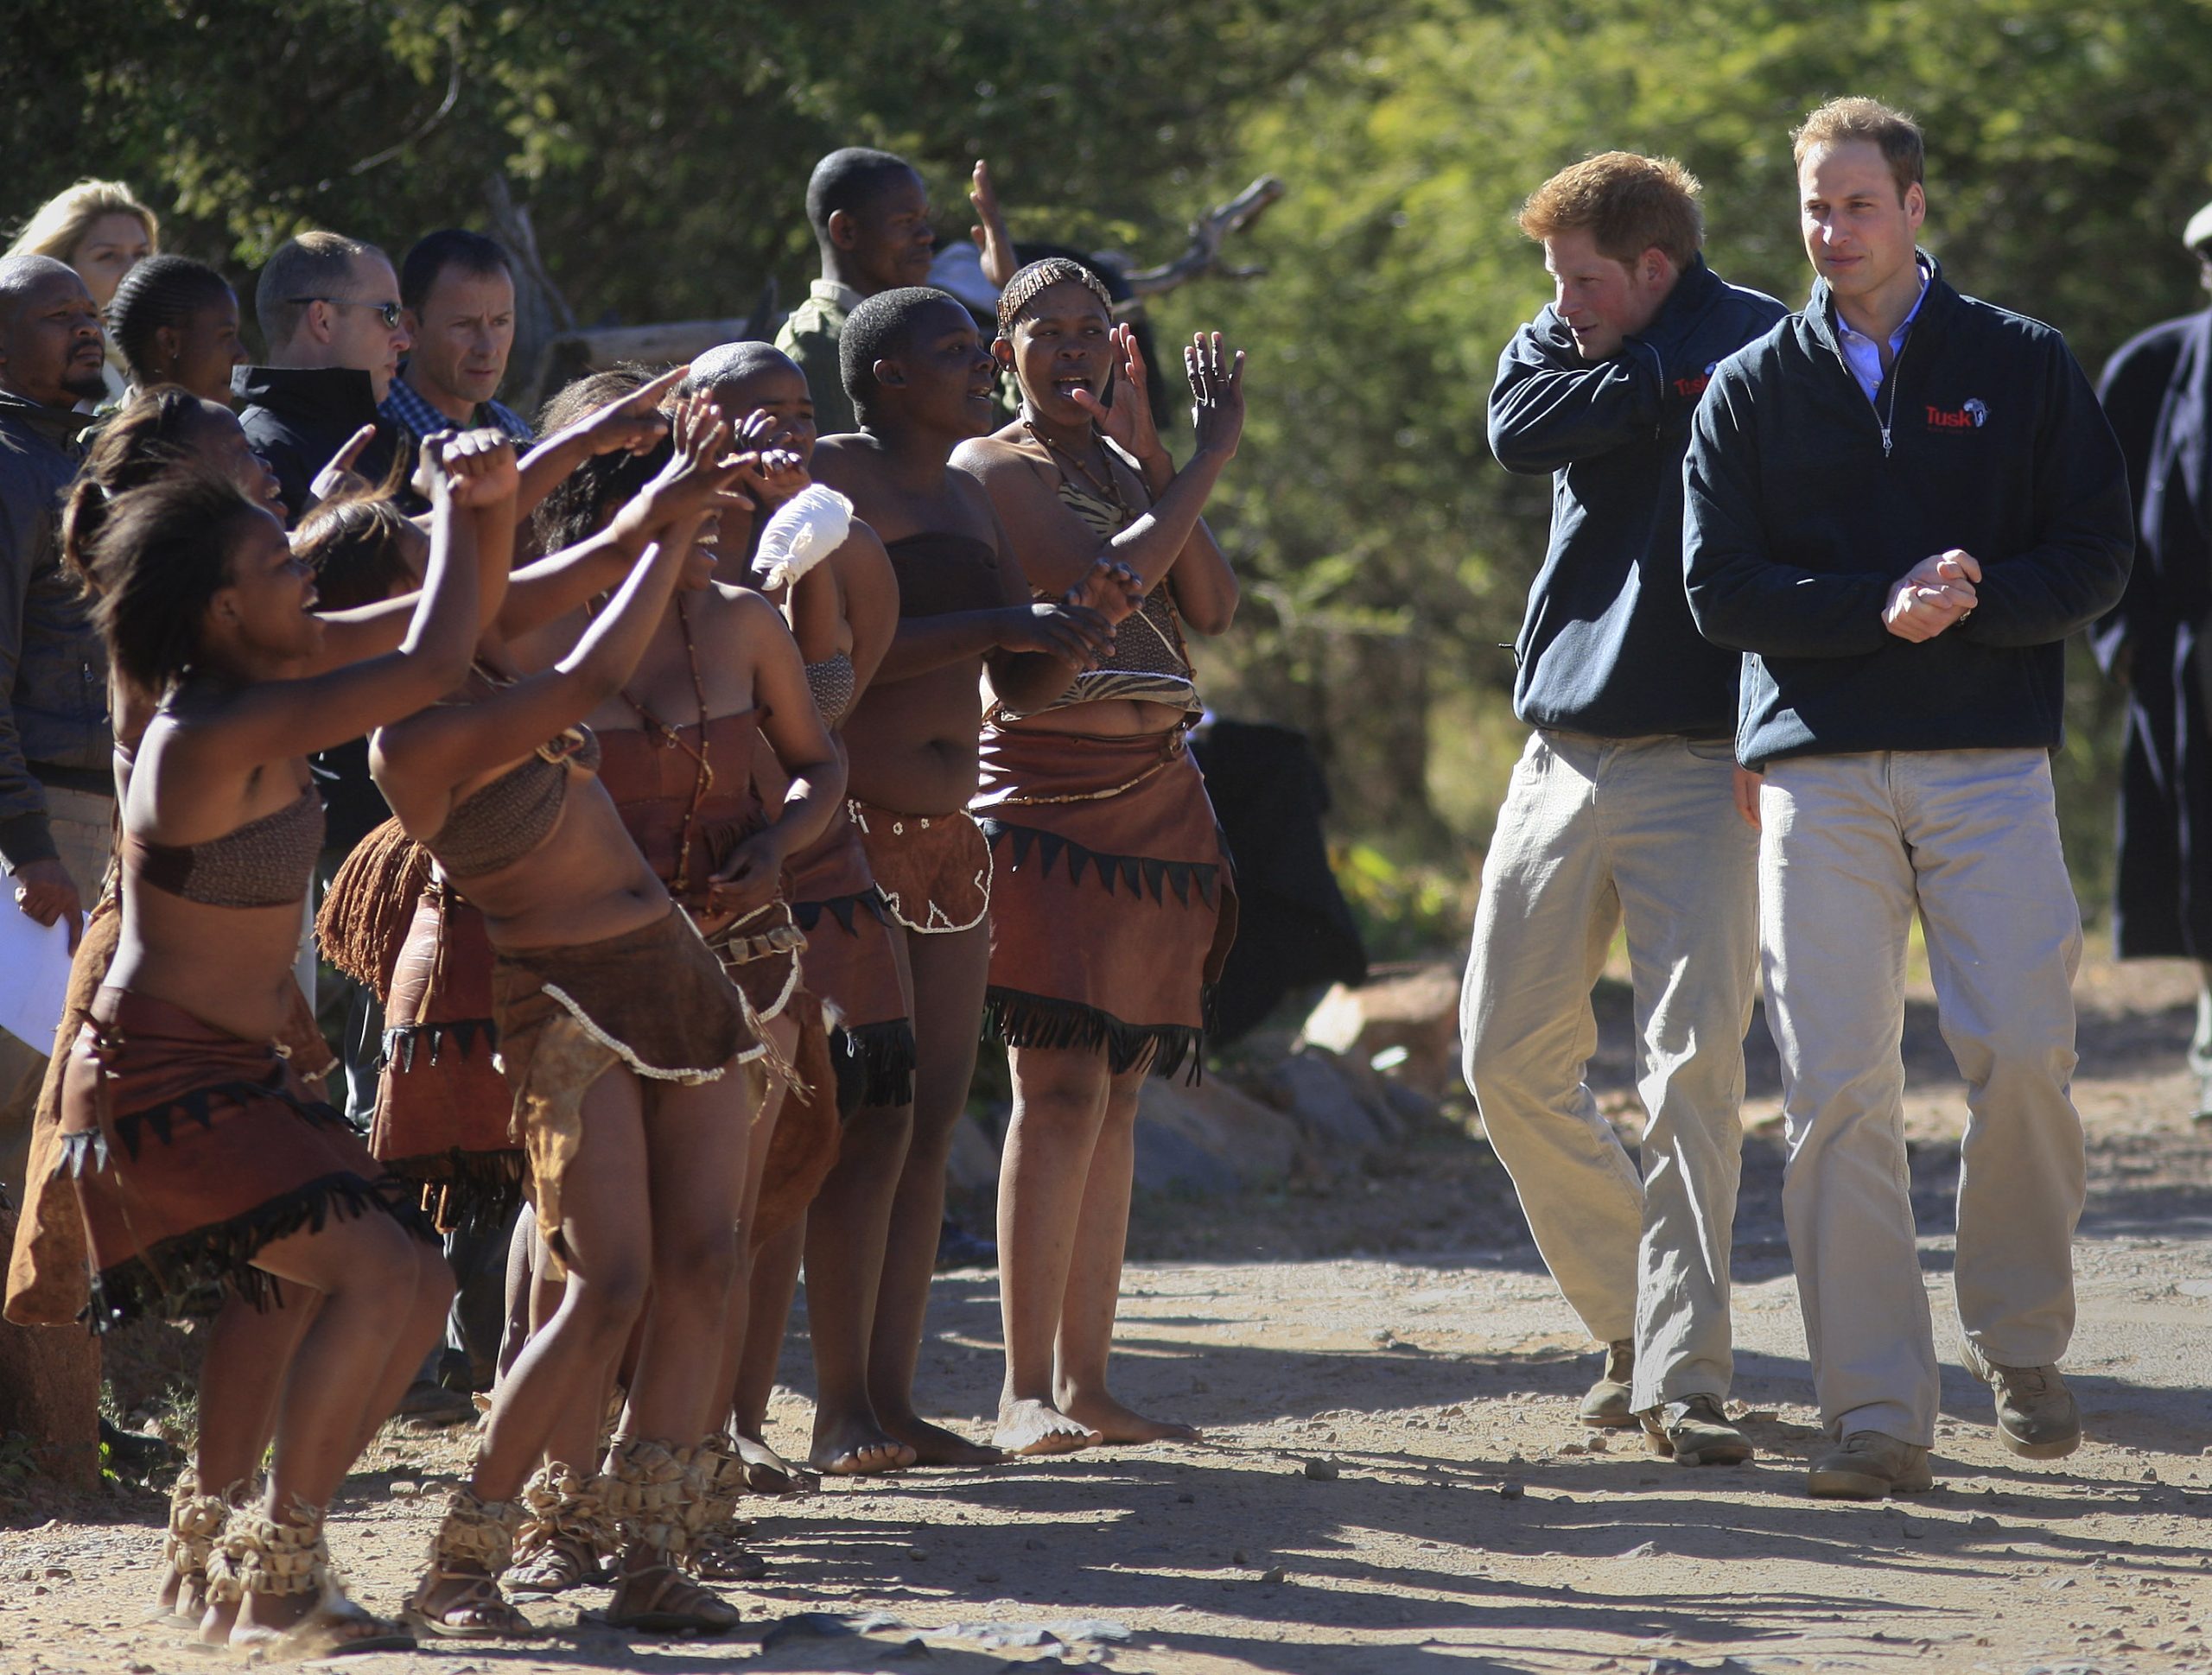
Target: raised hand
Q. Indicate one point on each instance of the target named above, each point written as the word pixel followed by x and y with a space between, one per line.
pixel 1129 423
pixel 481 468
pixel 430 454
pixel 634 423
pixel 338 477
pixel 1073 633
pixel 772 473
pixel 1216 392
pixel 699 474
pixel 991 238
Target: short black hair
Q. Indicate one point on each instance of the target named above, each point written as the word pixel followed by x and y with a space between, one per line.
pixel 731 363
pixel 880 328
pixel 849 180
pixel 163 290
pixel 450 247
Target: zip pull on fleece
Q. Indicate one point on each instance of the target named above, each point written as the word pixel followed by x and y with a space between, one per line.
pixel 1889 419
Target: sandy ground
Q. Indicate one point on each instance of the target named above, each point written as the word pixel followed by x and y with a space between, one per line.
pixel 1392 1479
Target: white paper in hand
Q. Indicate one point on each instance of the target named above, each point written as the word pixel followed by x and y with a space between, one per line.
pixel 34 977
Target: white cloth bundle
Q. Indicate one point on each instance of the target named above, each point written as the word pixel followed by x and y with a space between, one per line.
pixel 805 529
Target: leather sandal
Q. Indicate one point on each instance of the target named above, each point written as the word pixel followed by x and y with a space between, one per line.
pixel 661 1499
pixel 660 1599
pixel 473 1542
pixel 564 1529
pixel 286 1557
pixel 718 1551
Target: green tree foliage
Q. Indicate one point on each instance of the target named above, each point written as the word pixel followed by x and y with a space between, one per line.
pixel 662 146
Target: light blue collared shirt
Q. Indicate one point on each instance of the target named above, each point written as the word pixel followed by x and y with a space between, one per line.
pixel 1863 355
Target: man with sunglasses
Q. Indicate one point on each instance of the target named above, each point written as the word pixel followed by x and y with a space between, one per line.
pixel 330 318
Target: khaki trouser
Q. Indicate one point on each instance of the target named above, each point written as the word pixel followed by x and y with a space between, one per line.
pixel 81 823
pixel 1598 835
pixel 1852 845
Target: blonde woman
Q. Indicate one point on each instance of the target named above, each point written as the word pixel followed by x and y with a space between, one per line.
pixel 102 231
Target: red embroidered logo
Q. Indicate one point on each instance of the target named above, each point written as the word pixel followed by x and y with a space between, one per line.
pixel 1970 414
pixel 1692 386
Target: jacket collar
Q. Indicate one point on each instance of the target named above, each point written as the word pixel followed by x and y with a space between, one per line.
pixel 1935 308
pixel 61 427
pixel 336 392
pixel 1696 288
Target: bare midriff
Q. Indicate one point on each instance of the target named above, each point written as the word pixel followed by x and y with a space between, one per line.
pixel 230 967
pixel 913 744
pixel 585 883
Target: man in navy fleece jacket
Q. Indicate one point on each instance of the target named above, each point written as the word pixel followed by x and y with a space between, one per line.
pixel 1620 812
pixel 1900 502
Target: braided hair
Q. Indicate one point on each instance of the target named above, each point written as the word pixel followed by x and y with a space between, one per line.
pixel 163 290
pixel 1029 282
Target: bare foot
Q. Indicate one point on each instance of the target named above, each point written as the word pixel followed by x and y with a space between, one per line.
pixel 767 1472
pixel 1035 1427
pixel 855 1447
pixel 215 1626
pixel 1117 1423
pixel 934 1445
pixel 298 1627
pixel 180 1598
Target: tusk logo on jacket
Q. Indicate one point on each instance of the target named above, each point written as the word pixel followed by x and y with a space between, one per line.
pixel 1970 414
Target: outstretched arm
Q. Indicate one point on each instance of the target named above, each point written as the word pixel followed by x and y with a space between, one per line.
pixel 632 424
pixel 421 764
pixel 485 463
pixel 298 717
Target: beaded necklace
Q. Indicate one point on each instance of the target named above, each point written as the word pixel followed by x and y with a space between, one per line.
pixel 1110 490
pixel 672 738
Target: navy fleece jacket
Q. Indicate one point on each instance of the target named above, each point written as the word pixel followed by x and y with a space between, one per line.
pixel 1607 646
pixel 1806 503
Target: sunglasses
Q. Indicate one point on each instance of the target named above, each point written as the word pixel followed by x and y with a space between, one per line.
pixel 387 312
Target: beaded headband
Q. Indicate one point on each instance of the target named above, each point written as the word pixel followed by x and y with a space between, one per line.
pixel 1022 289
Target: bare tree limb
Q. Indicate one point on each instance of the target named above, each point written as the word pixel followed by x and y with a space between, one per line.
pixel 1203 254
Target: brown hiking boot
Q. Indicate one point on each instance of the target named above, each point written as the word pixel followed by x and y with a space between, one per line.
pixel 1604 1404
pixel 1867 1465
pixel 1694 1432
pixel 2036 1417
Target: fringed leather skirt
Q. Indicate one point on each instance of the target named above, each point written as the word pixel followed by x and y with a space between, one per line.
pixel 444 1116
pixel 190 1149
pixel 1113 903
pixel 852 962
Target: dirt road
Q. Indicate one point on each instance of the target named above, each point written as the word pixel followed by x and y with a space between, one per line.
pixel 1392 1480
